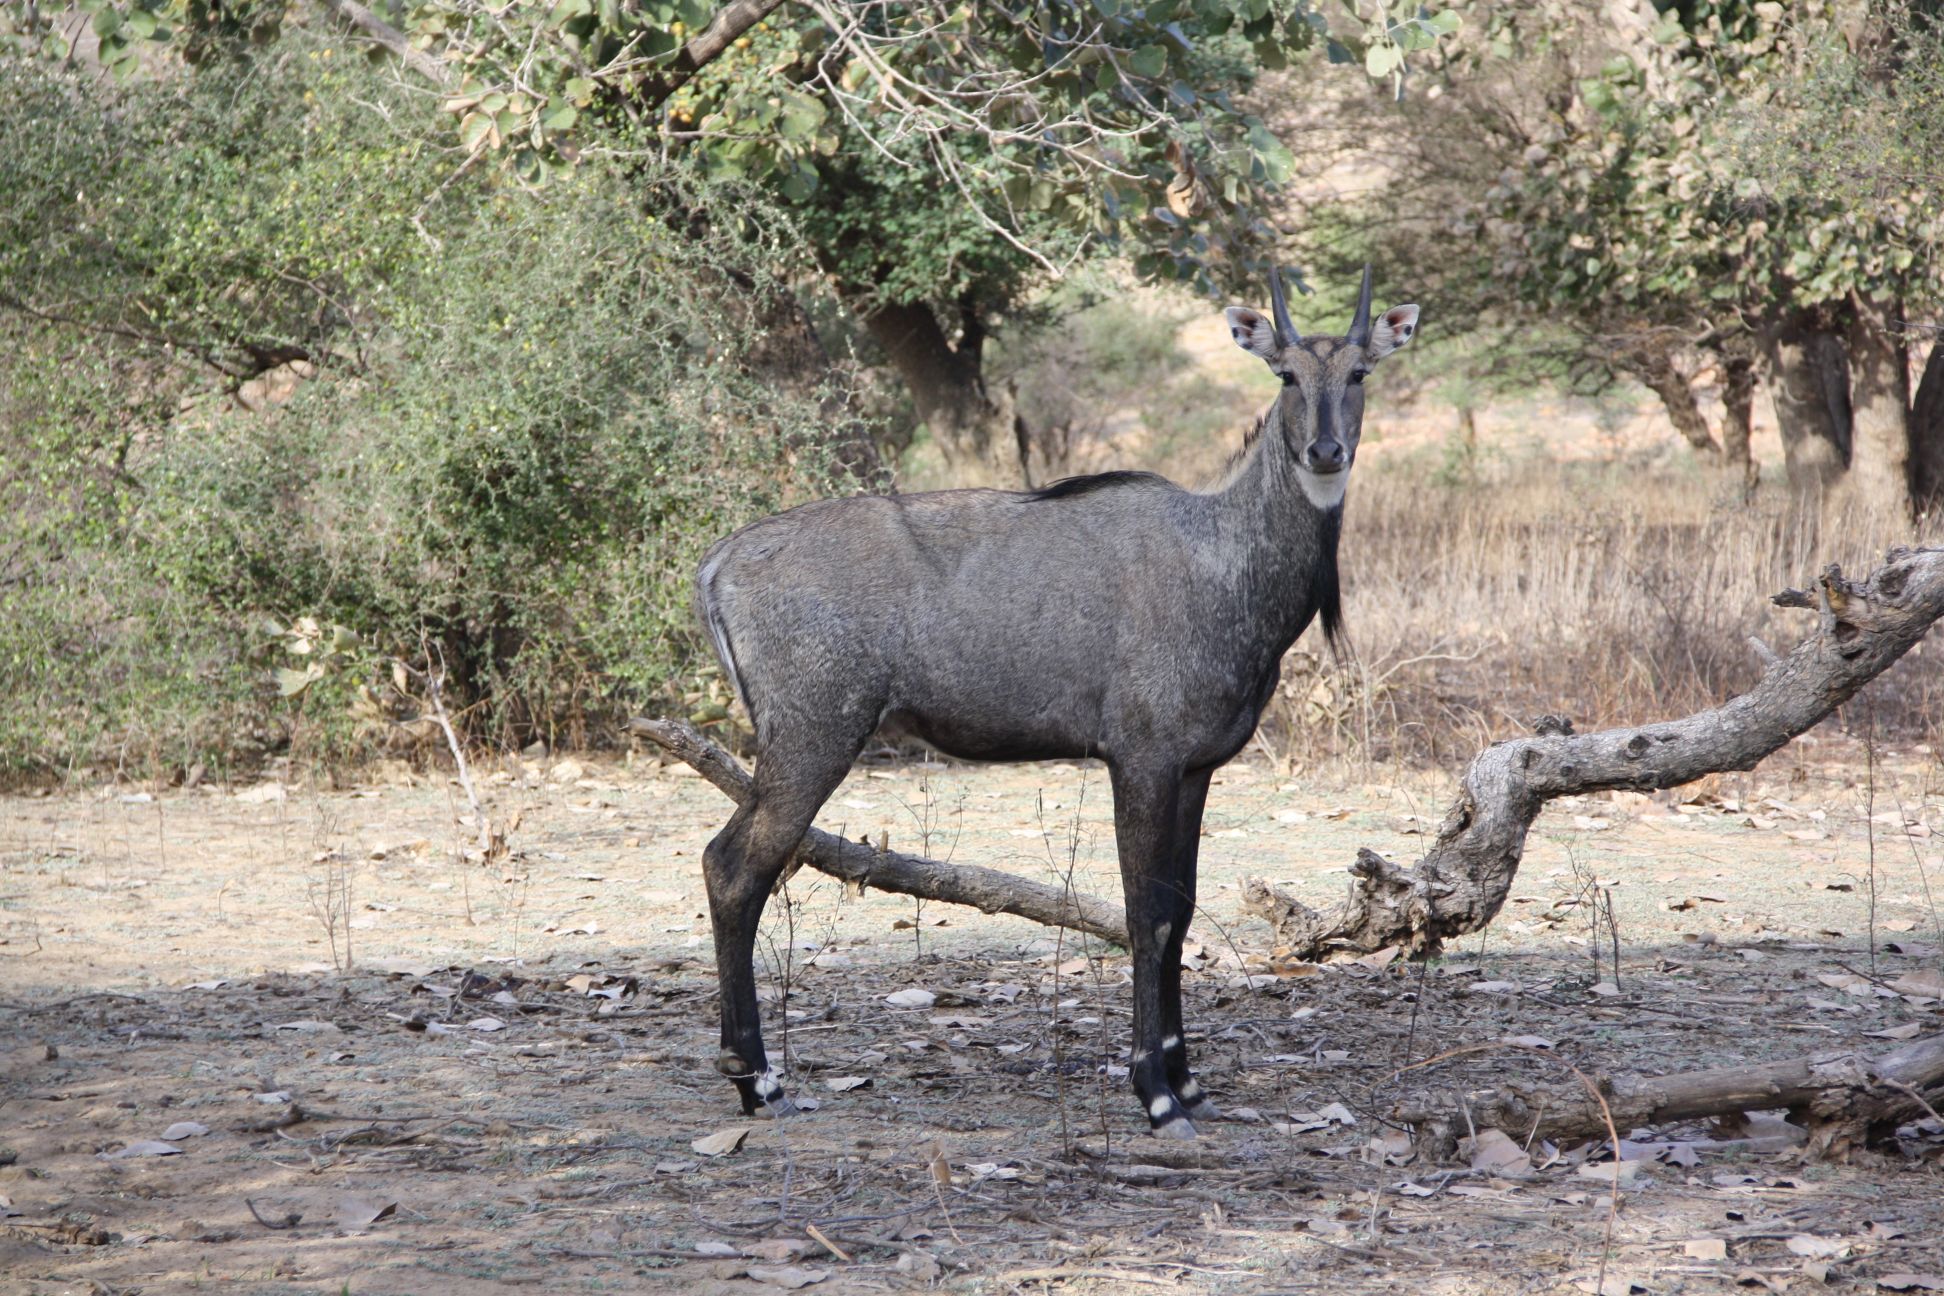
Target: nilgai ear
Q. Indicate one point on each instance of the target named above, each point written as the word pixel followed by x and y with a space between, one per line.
pixel 1252 331
pixel 1394 328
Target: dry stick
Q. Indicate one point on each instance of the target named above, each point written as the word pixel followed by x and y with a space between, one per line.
pixel 1869 817
pixel 435 690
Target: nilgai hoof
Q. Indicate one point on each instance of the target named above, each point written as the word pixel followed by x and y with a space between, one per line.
pixel 1183 1130
pixel 776 1108
pixel 1204 1110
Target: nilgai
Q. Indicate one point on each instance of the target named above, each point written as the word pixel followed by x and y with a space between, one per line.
pixel 1117 616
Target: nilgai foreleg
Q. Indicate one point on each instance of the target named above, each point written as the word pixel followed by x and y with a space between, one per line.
pixel 1181 886
pixel 1145 818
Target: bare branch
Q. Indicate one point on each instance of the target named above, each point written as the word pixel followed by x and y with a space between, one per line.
pixel 384 34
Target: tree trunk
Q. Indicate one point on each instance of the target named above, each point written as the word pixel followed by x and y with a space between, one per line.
pixel 1927 435
pixel 1738 405
pixel 1656 368
pixel 1878 481
pixel 979 431
pixel 1808 379
pixel 788 351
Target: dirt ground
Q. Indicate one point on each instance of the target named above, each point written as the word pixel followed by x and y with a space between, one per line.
pixel 508 1087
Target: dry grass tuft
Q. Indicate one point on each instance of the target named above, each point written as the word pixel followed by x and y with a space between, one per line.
pixel 1595 591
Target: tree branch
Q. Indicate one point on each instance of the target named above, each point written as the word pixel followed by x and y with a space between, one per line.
pixel 384 34
pixel 730 22
pixel 987 890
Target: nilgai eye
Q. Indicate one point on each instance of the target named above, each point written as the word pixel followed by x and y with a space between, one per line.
pixel 1289 379
pixel 1358 375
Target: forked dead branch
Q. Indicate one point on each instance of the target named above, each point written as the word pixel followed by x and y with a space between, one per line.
pixel 1863 627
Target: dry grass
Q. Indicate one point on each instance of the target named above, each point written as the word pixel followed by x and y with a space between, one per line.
pixel 1597 591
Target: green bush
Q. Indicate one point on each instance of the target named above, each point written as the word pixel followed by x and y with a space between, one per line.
pixel 529 414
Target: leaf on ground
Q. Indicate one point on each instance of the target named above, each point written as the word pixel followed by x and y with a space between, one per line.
pixel 919 1265
pixel 844 1084
pixel 778 1250
pixel 143 1148
pixel 310 1027
pixel 1496 987
pixel 1612 1285
pixel 1911 1282
pixel 788 1277
pixel 183 1130
pixel 1817 1248
pixel 1409 1189
pixel 716 1250
pixel 1494 1150
pixel 1909 1030
pixel 675 1167
pixel 357 1212
pixel 1924 983
pixel 1529 1041
pixel 273 1097
pixel 485 1024
pixel 1622 1173
pixel 913 998
pixel 1392 1147
pixel 721 1143
pixel 941 1169
pixel 1705 1249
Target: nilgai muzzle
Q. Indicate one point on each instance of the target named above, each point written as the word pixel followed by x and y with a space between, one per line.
pixel 1118 616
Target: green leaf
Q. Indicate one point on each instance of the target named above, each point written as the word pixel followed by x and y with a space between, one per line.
pixel 1149 61
pixel 1445 22
pixel 560 118
pixel 1380 60
pixel 473 129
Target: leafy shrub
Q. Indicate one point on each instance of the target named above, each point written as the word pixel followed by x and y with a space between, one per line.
pixel 527 414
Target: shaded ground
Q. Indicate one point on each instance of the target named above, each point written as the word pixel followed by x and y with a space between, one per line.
pixel 518 1063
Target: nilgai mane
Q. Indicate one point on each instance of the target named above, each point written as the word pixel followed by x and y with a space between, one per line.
pixel 1118 616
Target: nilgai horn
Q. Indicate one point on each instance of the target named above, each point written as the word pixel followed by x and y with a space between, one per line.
pixel 1118 616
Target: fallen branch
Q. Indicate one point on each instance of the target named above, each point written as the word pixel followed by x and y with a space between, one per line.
pixel 862 864
pixel 1846 1100
pixel 1460 885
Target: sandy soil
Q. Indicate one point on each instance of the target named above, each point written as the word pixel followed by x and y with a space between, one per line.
pixel 514 1071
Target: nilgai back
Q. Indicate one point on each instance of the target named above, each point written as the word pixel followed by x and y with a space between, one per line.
pixel 1117 616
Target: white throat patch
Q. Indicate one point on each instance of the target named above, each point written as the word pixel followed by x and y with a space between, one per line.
pixel 1324 492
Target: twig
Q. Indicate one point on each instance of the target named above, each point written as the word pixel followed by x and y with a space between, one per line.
pixel 290 1220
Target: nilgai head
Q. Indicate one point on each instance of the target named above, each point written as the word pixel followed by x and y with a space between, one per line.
pixel 1321 408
